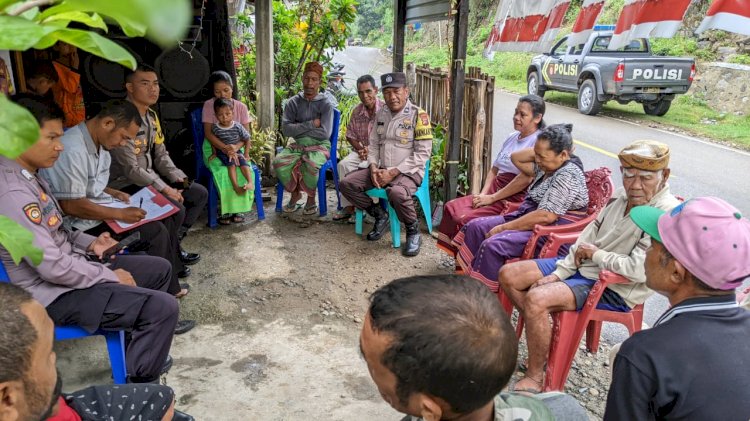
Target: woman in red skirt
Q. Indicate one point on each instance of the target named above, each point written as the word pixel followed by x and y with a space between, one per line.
pixel 504 182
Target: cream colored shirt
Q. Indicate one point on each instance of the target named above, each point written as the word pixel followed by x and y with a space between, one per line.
pixel 622 247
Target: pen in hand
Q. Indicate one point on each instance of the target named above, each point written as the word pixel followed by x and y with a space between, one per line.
pixel 140 205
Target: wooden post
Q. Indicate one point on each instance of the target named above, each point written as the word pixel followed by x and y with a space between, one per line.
pixel 478 87
pixel 399 22
pixel 264 64
pixel 461 24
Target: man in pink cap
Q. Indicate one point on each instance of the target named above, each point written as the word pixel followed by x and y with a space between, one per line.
pixel 693 363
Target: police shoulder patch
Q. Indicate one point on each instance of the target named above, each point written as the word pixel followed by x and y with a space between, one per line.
pixel 33 212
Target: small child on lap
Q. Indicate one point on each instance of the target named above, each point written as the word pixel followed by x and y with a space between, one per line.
pixel 234 137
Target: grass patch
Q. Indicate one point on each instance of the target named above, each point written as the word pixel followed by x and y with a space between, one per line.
pixel 687 112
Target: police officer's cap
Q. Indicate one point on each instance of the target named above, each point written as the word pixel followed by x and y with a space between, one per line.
pixel 393 80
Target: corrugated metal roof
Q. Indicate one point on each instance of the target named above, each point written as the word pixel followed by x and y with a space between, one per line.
pixel 427 10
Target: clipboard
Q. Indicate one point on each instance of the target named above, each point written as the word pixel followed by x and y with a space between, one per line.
pixel 156 204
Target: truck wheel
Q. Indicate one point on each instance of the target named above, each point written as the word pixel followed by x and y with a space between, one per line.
pixel 533 87
pixel 658 108
pixel 588 103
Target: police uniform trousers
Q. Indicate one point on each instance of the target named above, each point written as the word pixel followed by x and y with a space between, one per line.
pixel 400 191
pixel 147 312
pixel 163 242
pixel 345 166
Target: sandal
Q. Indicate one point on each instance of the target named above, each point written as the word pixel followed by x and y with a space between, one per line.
pixel 292 207
pixel 342 216
pixel 310 210
pixel 225 220
pixel 528 390
pixel 238 219
pixel 183 287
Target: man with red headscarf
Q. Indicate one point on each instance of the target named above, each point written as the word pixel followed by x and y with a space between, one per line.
pixel 308 118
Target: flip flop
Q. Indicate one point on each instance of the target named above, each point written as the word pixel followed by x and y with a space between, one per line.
pixel 342 216
pixel 238 219
pixel 312 210
pixel 293 208
pixel 225 220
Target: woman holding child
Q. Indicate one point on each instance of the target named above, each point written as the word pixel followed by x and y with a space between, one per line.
pixel 504 183
pixel 558 195
pixel 226 124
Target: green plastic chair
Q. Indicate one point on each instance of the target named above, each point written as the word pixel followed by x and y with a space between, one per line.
pixel 422 194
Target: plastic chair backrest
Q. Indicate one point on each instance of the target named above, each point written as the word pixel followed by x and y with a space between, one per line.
pixel 335 133
pixel 599 184
pixel 196 117
pixel 4 274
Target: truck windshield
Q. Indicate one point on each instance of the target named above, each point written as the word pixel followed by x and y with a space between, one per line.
pixel 638 45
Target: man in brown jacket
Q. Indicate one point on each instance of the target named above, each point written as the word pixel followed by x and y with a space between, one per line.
pixel 144 161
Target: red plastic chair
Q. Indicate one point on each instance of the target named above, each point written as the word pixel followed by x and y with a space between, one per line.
pixel 568 326
pixel 600 188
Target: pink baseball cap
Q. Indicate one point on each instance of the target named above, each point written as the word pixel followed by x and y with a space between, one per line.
pixel 706 235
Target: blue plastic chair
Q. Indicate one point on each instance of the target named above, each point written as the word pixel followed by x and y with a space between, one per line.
pixel 422 194
pixel 115 340
pixel 203 173
pixel 332 164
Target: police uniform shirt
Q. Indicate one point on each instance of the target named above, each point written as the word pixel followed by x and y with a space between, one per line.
pixel 143 161
pixel 82 171
pixel 27 200
pixel 402 140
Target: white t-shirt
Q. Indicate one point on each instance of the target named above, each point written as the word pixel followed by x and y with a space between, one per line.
pixel 512 144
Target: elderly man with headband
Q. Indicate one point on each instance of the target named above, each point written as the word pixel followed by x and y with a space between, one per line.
pixel 612 242
pixel 308 118
pixel 693 363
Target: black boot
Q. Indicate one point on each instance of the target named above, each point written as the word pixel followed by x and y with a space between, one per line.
pixel 413 240
pixel 381 222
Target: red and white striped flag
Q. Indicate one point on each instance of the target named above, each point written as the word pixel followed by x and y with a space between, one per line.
pixel 728 15
pixel 527 25
pixel 648 19
pixel 590 10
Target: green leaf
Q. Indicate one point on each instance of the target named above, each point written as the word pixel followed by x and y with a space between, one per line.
pixel 21 34
pixel 93 20
pixel 18 241
pixel 163 21
pixel 6 3
pixel 18 128
pixel 97 45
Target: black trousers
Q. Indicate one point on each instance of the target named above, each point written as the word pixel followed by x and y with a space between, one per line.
pixel 147 312
pixel 163 242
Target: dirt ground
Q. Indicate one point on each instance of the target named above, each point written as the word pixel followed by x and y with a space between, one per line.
pixel 279 304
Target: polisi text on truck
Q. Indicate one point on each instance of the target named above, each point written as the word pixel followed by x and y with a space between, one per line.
pixel 563 69
pixel 657 74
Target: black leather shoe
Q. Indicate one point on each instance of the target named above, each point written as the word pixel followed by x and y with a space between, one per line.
pixel 167 365
pixel 381 224
pixel 181 416
pixel 184 326
pixel 189 258
pixel 184 273
pixel 413 240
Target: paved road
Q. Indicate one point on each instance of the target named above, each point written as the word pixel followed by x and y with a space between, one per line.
pixel 699 168
pixel 361 61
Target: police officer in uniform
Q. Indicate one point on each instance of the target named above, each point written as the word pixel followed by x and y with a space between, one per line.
pixel 143 161
pixel 400 146
pixel 129 292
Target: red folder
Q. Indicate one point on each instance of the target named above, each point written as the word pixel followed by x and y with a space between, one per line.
pixel 160 200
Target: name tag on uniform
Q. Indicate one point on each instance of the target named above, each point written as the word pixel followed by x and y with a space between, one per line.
pixel 381 127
